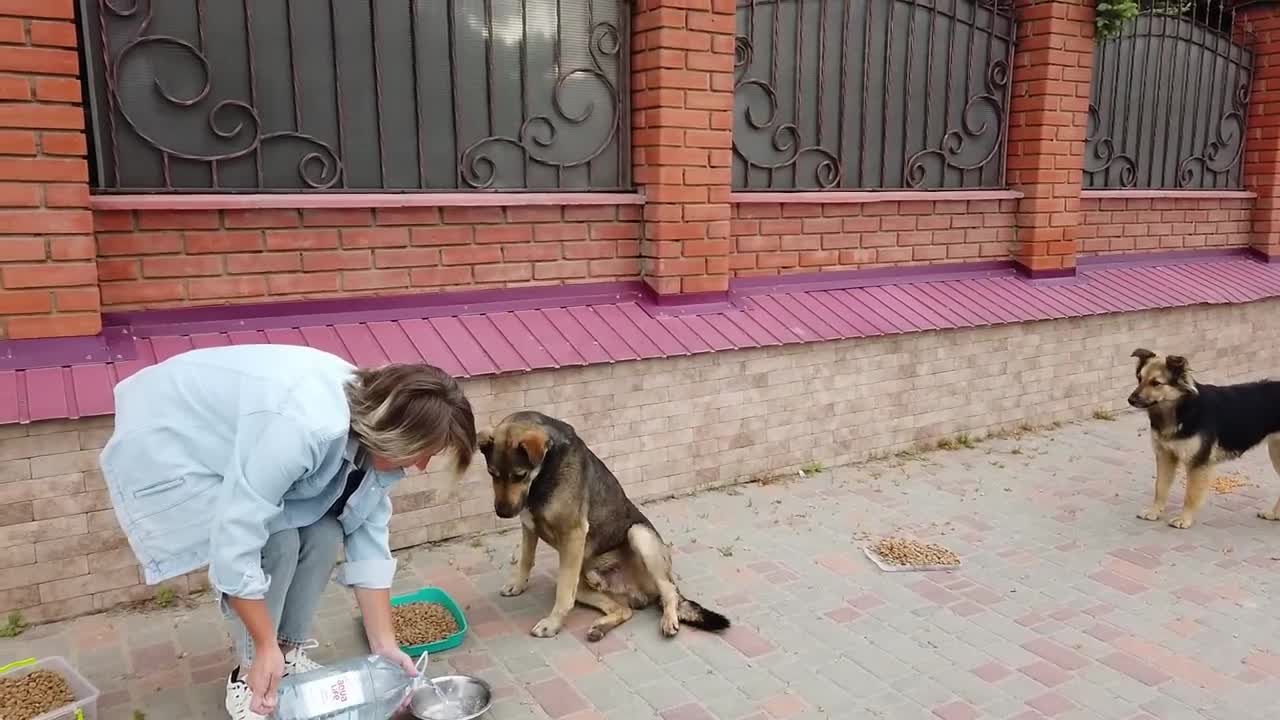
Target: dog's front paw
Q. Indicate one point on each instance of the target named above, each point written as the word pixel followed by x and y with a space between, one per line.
pixel 596 633
pixel 670 624
pixel 1150 514
pixel 1271 515
pixel 513 588
pixel 546 627
pixel 1182 522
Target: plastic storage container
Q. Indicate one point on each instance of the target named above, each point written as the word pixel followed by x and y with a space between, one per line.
pixel 85 706
pixel 434 595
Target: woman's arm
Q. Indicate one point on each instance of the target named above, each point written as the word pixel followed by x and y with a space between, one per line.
pixel 256 619
pixel 369 563
pixel 369 570
pixel 375 608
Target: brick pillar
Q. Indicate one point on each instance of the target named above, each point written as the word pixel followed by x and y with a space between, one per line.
pixel 48 273
pixel 1262 145
pixel 682 102
pixel 1048 113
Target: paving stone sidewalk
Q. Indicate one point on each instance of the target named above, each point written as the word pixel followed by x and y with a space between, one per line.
pixel 1066 606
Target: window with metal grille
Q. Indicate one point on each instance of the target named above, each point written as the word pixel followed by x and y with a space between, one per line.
pixel 386 95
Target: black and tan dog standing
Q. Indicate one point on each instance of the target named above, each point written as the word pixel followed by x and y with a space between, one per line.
pixel 1196 426
pixel 611 557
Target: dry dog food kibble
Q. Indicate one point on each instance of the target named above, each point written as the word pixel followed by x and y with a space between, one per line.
pixel 903 552
pixel 422 623
pixel 1227 484
pixel 33 695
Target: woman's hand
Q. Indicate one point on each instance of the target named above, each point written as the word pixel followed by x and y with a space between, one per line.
pixel 397 656
pixel 264 679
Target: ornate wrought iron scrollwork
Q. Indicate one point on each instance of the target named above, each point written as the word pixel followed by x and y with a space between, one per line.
pixel 228 119
pixel 1224 152
pixel 784 136
pixel 1103 149
pixel 956 140
pixel 539 133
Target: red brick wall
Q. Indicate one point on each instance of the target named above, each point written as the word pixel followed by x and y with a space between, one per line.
pixel 1047 118
pixel 1145 224
pixel 1262 146
pixel 682 98
pixel 47 277
pixel 158 258
pixel 773 238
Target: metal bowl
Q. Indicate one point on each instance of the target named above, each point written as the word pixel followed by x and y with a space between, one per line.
pixel 460 697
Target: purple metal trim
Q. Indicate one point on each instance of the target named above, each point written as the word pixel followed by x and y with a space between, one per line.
pixel 1054 274
pixel 848 279
pixel 660 305
pixel 114 344
pixel 1168 257
pixel 1262 256
pixel 336 311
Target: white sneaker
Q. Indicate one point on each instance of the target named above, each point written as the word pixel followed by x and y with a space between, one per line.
pixel 239 699
pixel 296 660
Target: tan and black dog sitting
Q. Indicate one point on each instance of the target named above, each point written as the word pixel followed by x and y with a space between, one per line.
pixel 1197 426
pixel 611 557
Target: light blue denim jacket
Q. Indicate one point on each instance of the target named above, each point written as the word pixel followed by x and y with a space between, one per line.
pixel 215 449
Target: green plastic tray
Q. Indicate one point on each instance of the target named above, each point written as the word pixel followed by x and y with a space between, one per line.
pixel 434 595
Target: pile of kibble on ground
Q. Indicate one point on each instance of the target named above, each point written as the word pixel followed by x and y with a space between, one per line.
pixel 420 624
pixel 33 695
pixel 912 553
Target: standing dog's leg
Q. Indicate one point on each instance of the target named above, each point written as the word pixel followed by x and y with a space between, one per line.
pixel 615 613
pixel 1273 447
pixel 528 549
pixel 572 548
pixel 657 560
pixel 1166 471
pixel 1198 479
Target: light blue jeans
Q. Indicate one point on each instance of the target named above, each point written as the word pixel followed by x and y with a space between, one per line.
pixel 299 563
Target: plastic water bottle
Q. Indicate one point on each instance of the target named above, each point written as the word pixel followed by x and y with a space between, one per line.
pixel 362 688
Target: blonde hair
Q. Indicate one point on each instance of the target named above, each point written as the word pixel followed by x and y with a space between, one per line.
pixel 400 412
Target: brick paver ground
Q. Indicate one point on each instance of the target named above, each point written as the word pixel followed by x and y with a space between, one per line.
pixel 1067 606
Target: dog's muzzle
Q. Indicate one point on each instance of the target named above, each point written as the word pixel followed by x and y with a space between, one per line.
pixel 1137 402
pixel 506 512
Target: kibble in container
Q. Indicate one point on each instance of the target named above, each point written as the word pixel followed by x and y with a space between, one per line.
pixel 84 705
pixel 438 597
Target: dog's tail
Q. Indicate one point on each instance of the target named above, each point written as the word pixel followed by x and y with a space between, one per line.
pixel 694 615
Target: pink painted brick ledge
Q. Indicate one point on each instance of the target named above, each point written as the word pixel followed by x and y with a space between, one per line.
pixel 1167 194
pixel 851 198
pixel 258 201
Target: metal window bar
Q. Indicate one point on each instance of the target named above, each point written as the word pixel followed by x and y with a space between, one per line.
pixel 386 95
pixel 1170 98
pixel 871 94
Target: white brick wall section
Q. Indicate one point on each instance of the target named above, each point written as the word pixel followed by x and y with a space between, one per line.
pixel 665 426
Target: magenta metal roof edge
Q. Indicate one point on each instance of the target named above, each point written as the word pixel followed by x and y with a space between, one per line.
pixel 617 329
pixel 113 344
pixel 1165 257
pixel 845 279
pixel 331 311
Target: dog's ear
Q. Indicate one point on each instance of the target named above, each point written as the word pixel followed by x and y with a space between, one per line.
pixel 1180 373
pixel 535 442
pixel 484 441
pixel 1143 356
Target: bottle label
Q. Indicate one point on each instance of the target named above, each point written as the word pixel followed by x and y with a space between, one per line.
pixel 331 694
